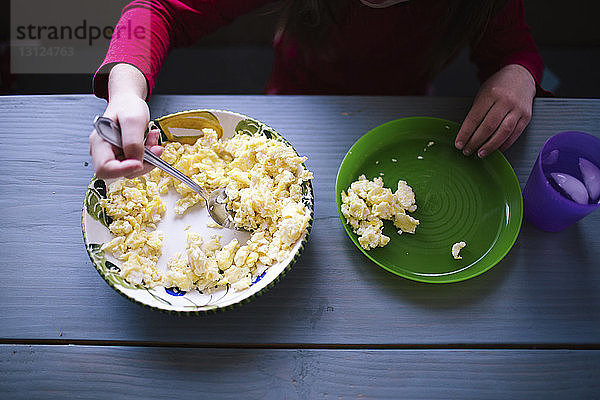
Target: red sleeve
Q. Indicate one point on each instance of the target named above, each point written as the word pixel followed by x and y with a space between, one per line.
pixel 149 29
pixel 507 40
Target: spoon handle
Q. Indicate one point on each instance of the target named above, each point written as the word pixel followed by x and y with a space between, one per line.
pixel 108 130
pixel 158 162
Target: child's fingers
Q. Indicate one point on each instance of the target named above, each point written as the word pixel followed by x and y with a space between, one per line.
pixel 116 168
pixel 486 128
pixel 152 138
pixel 158 150
pixel 478 111
pixel 133 127
pixel 105 163
pixel 148 167
pixel 502 134
pixel 519 128
pixel 521 125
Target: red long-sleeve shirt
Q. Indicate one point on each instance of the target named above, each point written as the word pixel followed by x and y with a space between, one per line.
pixel 378 51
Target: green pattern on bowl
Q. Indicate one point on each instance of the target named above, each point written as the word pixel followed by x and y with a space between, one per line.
pixel 95 193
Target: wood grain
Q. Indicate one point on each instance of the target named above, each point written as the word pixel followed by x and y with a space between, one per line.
pixel 546 291
pixel 61 372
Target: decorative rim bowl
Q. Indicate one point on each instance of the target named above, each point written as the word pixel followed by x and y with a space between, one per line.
pixel 186 127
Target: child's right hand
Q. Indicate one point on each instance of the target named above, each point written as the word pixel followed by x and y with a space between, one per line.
pixel 128 108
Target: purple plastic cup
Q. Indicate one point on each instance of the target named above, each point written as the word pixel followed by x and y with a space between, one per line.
pixel 543 203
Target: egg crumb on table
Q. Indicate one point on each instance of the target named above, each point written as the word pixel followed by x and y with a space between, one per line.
pixel 456 248
pixel 263 180
pixel 368 203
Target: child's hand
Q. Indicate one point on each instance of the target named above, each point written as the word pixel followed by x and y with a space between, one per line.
pixel 500 112
pixel 131 113
pixel 127 107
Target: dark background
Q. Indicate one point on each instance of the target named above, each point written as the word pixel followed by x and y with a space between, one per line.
pixel 237 58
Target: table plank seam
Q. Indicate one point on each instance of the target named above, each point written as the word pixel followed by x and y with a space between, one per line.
pixel 306 346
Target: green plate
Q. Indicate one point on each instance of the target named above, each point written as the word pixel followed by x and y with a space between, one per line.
pixel 458 198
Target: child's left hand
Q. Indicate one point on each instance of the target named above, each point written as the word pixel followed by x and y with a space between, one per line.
pixel 500 112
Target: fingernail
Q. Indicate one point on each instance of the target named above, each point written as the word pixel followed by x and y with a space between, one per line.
pixel 482 153
pixel 467 152
pixel 459 145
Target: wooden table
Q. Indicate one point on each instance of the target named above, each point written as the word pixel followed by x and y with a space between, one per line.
pixel 336 327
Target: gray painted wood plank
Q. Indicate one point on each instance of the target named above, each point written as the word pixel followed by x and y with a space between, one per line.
pixel 65 372
pixel 547 290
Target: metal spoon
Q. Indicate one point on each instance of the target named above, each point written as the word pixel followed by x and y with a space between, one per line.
pixel 216 201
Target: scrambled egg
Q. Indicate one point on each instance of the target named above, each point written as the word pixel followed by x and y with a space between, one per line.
pixel 262 178
pixel 456 248
pixel 368 203
pixel 136 208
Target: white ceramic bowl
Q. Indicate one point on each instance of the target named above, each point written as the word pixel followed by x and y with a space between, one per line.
pixel 95 228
